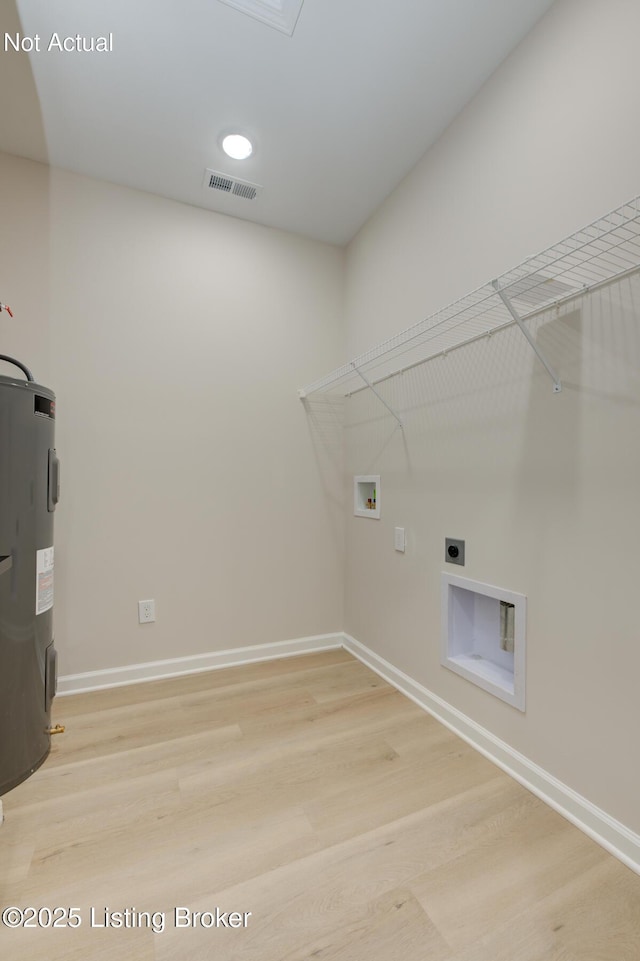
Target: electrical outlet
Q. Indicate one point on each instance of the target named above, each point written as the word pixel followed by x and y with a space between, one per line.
pixel 146 611
pixel 453 551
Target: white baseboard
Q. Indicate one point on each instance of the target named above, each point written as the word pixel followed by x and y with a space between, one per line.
pixel 194 664
pixel 615 837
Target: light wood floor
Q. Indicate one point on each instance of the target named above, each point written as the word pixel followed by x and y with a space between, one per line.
pixel 308 792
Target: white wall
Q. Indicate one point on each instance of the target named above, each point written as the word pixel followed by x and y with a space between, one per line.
pixel 543 487
pixel 25 265
pixel 175 340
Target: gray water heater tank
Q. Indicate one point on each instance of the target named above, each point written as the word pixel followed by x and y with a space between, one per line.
pixel 29 490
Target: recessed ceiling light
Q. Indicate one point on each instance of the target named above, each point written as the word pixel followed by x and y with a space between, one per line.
pixel 237 146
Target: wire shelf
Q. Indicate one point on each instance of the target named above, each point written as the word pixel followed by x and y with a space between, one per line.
pixel 606 250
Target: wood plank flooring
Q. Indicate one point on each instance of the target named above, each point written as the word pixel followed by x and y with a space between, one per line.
pixel 350 824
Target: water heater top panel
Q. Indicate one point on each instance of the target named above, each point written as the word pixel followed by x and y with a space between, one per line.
pixel 21 383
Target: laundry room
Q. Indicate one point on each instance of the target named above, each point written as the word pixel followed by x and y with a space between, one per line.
pixel 319 398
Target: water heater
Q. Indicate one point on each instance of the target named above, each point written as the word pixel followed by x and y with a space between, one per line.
pixel 29 491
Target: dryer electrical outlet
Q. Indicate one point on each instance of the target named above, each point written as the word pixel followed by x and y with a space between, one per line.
pixel 454 551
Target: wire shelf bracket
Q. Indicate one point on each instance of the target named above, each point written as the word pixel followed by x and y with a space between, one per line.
pixel 379 396
pixel 602 253
pixel 557 384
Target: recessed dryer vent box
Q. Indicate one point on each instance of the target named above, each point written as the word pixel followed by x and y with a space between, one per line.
pixel 483 636
pixel 366 495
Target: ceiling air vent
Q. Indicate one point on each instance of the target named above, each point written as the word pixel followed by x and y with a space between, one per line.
pixel 215 180
pixel 280 14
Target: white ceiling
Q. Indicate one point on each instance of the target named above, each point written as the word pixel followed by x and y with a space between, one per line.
pixel 340 111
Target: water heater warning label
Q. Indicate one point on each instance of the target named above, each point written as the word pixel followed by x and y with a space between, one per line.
pixel 44 580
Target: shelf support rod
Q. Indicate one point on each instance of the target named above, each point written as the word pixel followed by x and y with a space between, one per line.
pixel 381 399
pixel 557 385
